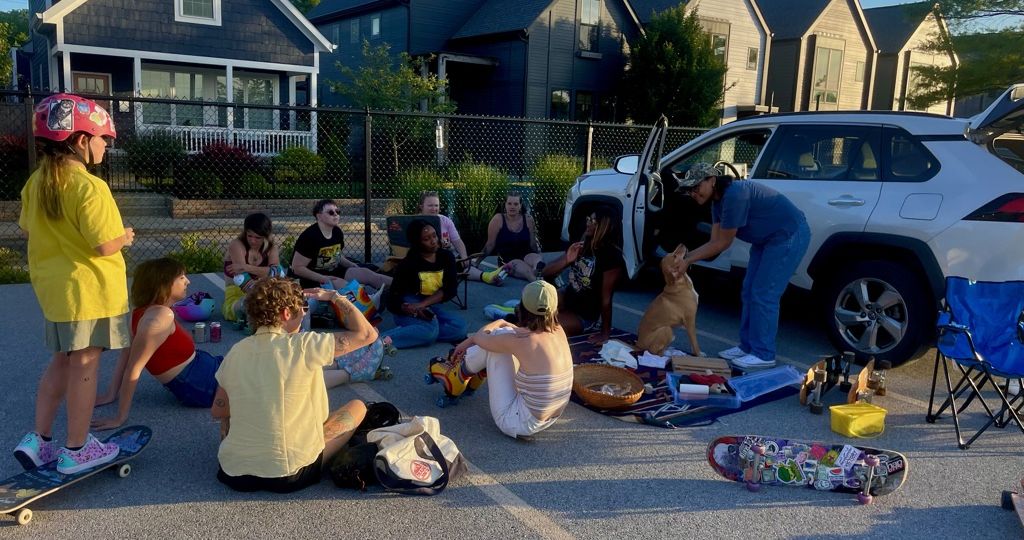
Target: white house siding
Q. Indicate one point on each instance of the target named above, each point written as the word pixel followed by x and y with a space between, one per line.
pixel 914 51
pixel 745 31
pixel 839 22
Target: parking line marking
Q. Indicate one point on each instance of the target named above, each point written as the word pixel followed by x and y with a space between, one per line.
pixel 510 502
pixel 804 365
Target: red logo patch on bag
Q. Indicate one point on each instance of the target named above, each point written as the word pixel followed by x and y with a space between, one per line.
pixel 419 470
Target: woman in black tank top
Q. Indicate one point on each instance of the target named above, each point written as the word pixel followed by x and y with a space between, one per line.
pixel 512 235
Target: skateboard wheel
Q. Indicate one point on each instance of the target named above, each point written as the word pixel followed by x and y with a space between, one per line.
pixel 23 516
pixel 753 487
pixel 817 408
pixel 124 470
pixel 864 499
pixel 757 449
pixel 871 460
pixel 1007 500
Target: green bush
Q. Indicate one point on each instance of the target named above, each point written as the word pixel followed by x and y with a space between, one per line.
pixel 332 144
pixel 286 251
pixel 198 258
pixel 254 186
pixel 552 177
pixel 413 181
pixel 198 184
pixel 478 189
pixel 155 156
pixel 12 267
pixel 297 164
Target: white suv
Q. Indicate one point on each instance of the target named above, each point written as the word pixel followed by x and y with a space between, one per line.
pixel 896 202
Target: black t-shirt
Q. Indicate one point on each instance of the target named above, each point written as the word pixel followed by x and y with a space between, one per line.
pixel 586 278
pixel 324 254
pixel 415 276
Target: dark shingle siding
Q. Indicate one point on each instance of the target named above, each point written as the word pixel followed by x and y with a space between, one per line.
pixel 789 19
pixel 501 16
pixel 252 30
pixel 892 26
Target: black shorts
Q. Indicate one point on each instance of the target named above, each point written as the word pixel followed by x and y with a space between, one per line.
pixel 303 478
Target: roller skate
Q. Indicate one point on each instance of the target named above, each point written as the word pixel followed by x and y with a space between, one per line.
pixel 475 382
pixel 389 348
pixel 383 373
pixel 447 371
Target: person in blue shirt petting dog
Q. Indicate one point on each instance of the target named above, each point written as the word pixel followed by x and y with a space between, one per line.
pixel 778 235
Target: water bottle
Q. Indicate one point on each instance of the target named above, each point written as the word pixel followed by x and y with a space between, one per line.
pixel 308 316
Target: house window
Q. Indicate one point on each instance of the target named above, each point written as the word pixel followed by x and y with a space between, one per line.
pixel 560 104
pixel 858 74
pixel 168 84
pixel 752 58
pixel 375 25
pixel 353 31
pixel 828 68
pixel 590 25
pixel 92 84
pixel 198 11
pixel 719 34
pixel 914 83
pixel 584 106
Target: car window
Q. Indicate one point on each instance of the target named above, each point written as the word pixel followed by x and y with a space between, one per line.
pixel 823 152
pixel 907 160
pixel 737 149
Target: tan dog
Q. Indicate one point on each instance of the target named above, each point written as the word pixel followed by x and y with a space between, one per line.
pixel 676 306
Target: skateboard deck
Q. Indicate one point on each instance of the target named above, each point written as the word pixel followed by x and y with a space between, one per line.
pixel 1014 500
pixel 20 490
pixel 774 461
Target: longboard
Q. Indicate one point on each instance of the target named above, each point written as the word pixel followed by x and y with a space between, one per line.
pixel 20 490
pixel 773 461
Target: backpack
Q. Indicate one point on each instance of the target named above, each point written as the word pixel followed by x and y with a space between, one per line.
pixel 352 466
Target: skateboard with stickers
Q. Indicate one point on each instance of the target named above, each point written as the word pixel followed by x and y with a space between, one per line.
pixel 1014 500
pixel 18 491
pixel 760 461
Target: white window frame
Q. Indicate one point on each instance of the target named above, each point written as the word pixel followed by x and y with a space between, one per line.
pixel 375 24
pixel 179 14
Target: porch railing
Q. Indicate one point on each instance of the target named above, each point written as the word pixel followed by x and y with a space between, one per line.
pixel 260 142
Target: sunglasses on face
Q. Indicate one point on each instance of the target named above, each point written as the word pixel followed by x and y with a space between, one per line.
pixel 331 212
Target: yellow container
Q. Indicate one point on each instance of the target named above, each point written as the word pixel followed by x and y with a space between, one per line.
pixel 859 419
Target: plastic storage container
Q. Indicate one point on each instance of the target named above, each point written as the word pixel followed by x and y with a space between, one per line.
pixel 726 401
pixel 859 419
pixel 759 383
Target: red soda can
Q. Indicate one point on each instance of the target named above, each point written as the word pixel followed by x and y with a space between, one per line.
pixel 215 332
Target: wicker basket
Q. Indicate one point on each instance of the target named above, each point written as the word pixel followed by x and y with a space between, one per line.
pixel 589 378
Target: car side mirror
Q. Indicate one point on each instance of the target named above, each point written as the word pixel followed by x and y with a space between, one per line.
pixel 627 164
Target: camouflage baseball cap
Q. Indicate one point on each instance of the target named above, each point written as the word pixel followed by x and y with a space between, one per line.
pixel 695 174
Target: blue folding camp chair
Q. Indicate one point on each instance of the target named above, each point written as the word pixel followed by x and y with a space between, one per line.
pixel 981 332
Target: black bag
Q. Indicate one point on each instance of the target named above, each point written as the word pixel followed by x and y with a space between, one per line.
pixel 352 466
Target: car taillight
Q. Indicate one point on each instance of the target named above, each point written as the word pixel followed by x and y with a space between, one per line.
pixel 1008 208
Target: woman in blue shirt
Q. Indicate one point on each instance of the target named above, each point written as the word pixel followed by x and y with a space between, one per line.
pixel 778 235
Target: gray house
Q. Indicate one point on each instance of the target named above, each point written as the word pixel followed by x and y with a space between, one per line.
pixel 823 55
pixel 902 31
pixel 537 58
pixel 260 52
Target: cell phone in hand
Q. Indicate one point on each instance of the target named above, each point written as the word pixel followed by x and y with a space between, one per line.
pixel 427 315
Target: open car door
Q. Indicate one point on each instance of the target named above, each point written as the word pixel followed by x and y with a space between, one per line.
pixel 644 193
pixel 1005 114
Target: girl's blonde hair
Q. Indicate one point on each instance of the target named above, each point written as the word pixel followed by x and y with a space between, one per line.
pixel 54 173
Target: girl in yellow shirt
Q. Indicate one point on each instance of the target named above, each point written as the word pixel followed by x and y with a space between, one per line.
pixel 75 236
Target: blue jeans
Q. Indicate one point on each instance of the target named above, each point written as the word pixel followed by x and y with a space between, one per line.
pixel 196 385
pixel 413 332
pixel 768 272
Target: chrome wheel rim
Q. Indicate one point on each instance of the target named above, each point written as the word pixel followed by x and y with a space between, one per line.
pixel 871 316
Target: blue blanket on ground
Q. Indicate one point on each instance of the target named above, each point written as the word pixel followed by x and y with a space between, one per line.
pixel 658 408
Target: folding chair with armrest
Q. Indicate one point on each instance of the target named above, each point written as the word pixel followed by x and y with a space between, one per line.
pixel 981 330
pixel 398 244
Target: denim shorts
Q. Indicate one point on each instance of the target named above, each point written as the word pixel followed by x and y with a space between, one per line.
pixel 196 385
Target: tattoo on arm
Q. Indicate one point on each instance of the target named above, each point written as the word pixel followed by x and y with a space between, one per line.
pixel 338 423
pixel 341 344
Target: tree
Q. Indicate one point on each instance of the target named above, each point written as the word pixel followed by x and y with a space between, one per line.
pixel 673 71
pixel 383 83
pixel 988 59
pixel 13 33
pixel 305 5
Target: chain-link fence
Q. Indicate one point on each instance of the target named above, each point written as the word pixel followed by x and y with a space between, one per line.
pixel 186 173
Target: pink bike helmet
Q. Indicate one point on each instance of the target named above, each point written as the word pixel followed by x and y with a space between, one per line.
pixel 59 116
pixel 195 308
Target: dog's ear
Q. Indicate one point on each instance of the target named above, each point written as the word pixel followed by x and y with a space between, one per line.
pixel 680 250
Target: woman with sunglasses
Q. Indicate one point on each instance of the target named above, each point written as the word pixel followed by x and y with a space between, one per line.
pixel 319 257
pixel 595 265
pixel 778 235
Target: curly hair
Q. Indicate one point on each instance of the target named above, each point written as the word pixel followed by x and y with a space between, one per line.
pixel 269 297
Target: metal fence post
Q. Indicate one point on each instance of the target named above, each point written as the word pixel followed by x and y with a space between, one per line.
pixel 30 140
pixel 368 128
pixel 590 146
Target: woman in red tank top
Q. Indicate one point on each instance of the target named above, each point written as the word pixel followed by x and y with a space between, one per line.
pixel 160 345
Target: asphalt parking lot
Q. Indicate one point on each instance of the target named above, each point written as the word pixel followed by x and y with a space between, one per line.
pixel 589 476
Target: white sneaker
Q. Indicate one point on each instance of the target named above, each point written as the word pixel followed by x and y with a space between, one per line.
pixel 750 361
pixel 1012 387
pixel 732 354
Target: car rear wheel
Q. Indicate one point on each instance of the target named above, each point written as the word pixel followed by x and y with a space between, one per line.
pixel 879 309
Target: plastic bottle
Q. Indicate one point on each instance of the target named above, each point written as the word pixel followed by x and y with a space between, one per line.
pixel 308 316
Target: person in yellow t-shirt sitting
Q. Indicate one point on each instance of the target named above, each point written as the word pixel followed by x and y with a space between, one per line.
pixel 276 428
pixel 75 236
